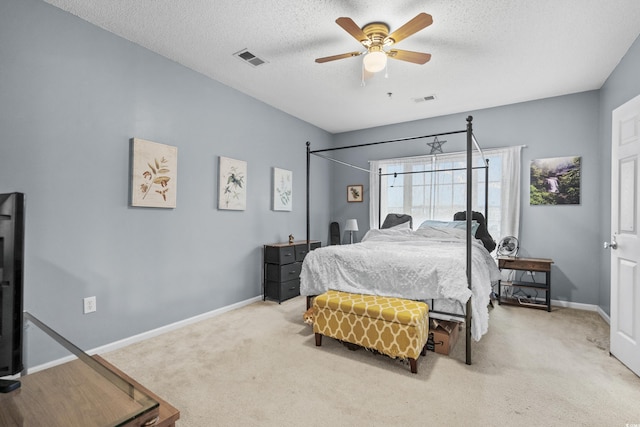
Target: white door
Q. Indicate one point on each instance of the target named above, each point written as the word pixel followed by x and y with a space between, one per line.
pixel 625 220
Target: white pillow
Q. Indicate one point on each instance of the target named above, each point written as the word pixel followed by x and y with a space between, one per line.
pixel 462 225
pixel 441 232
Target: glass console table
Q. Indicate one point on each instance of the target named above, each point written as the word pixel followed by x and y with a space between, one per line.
pixel 83 391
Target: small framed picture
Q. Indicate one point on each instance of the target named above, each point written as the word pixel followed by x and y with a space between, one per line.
pixel 154 176
pixel 282 189
pixel 354 193
pixel 232 192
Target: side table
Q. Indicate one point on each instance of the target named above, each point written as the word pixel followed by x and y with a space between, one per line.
pixel 542 265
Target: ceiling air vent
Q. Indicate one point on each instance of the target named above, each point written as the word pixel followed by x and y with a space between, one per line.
pixel 424 98
pixel 249 58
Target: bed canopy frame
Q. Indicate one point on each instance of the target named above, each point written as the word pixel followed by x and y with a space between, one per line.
pixel 471 143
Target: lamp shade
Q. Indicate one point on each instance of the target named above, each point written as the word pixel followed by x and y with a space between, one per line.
pixel 351 225
pixel 375 61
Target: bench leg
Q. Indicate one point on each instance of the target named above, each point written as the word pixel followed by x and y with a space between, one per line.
pixel 318 339
pixel 310 300
pixel 414 365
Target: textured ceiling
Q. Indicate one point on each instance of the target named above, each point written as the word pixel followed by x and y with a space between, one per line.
pixel 484 53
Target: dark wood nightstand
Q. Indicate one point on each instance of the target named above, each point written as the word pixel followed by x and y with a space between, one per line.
pixel 531 265
pixel 282 266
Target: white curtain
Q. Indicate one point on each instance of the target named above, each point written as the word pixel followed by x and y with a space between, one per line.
pixel 374 188
pixel 509 186
pixel 510 206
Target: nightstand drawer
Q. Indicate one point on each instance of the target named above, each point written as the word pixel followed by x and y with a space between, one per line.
pixel 282 273
pixel 279 254
pixel 283 290
pixel 301 250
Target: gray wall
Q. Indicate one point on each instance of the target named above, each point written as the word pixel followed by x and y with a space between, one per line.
pixel 71 97
pixel 621 86
pixel 553 127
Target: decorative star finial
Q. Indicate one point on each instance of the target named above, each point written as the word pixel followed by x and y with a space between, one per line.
pixel 436 145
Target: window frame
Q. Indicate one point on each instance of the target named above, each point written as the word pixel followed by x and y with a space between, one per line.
pixel 495 202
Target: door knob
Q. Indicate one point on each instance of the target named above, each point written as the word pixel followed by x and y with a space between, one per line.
pixel 613 244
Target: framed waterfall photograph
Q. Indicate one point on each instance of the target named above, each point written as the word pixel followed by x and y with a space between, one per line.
pixel 282 190
pixel 232 188
pixel 154 174
pixel 555 181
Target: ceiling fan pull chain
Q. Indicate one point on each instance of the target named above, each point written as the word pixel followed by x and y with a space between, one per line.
pixel 362 84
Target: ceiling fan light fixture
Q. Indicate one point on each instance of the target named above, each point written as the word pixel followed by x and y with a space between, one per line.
pixel 375 61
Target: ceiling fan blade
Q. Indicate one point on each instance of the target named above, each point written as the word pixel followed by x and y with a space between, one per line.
pixel 352 28
pixel 421 21
pixel 335 57
pixel 409 56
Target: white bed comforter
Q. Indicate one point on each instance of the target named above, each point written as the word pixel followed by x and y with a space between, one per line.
pixel 429 263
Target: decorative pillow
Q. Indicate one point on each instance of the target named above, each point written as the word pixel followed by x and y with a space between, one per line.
pixel 403 226
pixel 462 225
pixel 483 233
pixel 394 219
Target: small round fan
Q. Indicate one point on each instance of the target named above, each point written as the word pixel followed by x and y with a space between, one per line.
pixel 508 246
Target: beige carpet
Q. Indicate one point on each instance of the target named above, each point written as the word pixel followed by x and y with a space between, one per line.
pixel 259 366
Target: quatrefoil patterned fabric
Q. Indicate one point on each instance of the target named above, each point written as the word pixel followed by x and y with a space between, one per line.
pixel 393 326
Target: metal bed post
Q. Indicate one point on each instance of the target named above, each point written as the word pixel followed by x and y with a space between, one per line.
pixel 308 211
pixel 469 222
pixel 379 197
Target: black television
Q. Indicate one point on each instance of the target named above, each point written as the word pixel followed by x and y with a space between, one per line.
pixel 11 287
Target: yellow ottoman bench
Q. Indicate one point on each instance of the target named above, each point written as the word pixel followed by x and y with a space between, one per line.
pixel 392 326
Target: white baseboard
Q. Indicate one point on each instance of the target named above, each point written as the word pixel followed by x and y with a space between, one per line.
pixel 171 327
pixel 576 305
pixel 580 306
pixel 149 334
pixel 604 316
pixel 49 364
pixel 569 304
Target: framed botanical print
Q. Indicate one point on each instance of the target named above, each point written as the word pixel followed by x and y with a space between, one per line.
pixel 282 190
pixel 154 174
pixel 232 191
pixel 354 193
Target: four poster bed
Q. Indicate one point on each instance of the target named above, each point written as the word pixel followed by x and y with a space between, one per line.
pixel 446 267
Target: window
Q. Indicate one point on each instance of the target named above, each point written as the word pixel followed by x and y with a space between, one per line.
pixel 434 187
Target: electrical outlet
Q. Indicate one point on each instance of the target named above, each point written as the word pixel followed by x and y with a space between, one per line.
pixel 89 305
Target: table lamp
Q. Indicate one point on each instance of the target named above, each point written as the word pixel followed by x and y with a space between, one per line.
pixel 351 226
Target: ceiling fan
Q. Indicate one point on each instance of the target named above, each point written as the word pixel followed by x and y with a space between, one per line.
pixel 377 41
